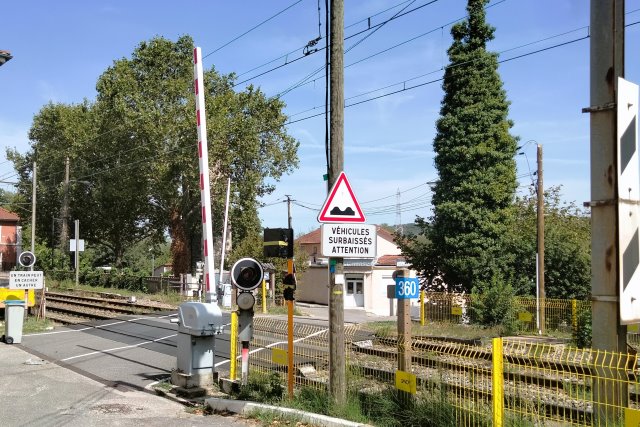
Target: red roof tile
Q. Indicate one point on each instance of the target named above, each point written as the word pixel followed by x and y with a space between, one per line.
pixel 310 238
pixel 389 259
pixel 5 215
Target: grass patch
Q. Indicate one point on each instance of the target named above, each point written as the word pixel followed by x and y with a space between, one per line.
pixel 171 298
pixel 271 418
pixel 280 310
pixel 438 329
pixel 384 407
pixel 32 325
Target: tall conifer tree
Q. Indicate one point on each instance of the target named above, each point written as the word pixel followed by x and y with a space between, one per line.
pixel 475 152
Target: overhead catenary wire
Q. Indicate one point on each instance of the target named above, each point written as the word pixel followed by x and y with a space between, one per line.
pixel 408 88
pixel 372 28
pixel 306 80
pixel 286 55
pixel 404 89
pixel 324 66
pixel 384 95
pixel 370 99
pixel 251 29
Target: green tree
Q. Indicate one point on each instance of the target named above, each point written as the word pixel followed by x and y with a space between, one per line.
pixel 567 247
pixel 58 131
pixel 134 161
pixel 150 95
pixel 475 152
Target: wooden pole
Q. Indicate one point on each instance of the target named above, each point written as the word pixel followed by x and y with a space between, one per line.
pixel 540 215
pixel 337 362
pixel 404 331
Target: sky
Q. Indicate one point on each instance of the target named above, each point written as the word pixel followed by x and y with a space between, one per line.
pixel 392 87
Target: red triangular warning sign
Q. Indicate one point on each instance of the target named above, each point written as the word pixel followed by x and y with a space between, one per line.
pixel 341 204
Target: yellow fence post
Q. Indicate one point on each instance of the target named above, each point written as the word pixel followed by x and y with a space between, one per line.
pixel 233 352
pixel 574 316
pixel 497 383
pixel 422 308
pixel 264 295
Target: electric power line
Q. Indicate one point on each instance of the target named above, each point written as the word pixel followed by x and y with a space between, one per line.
pixel 251 29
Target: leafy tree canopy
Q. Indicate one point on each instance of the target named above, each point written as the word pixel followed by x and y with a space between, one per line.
pixel 134 160
pixel 475 152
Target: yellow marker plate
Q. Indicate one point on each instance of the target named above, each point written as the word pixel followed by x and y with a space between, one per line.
pixel 457 311
pixel 631 417
pixel 406 381
pixel 525 316
pixel 279 356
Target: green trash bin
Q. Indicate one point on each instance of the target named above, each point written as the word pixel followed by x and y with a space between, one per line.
pixel 13 320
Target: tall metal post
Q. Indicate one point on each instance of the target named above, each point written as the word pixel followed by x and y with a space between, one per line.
pixel 337 361
pixel 33 213
pixel 290 270
pixel 64 229
pixel 540 257
pixel 76 257
pixel 607 64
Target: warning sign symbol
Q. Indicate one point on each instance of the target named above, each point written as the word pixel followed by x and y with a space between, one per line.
pixel 341 204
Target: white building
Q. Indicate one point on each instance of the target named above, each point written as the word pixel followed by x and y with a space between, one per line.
pixel 366 279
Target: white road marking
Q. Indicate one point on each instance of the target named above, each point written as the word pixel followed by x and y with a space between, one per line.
pixel 273 344
pixel 117 348
pixel 99 326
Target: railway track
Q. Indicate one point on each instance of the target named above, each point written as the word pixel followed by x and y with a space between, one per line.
pixel 550 380
pixel 68 308
pixel 559 389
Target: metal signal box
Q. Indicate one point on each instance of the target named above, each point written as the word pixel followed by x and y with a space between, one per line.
pixel 198 324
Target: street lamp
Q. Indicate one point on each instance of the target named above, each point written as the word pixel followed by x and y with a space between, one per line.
pixel 5 56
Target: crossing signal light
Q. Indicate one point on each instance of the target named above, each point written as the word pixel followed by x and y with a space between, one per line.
pixel 27 259
pixel 289 281
pixel 247 274
pixel 278 242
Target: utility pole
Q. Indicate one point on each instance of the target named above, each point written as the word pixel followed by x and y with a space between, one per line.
pixel 76 258
pixel 337 360
pixel 290 271
pixel 64 229
pixel 288 210
pixel 540 215
pixel 33 213
pixel 607 64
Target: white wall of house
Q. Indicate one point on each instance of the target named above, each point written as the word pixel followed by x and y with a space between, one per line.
pixel 313 286
pixel 365 287
pixel 386 247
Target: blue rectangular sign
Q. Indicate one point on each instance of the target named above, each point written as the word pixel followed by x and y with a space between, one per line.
pixel 407 287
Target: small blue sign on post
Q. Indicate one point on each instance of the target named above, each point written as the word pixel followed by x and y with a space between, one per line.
pixel 407 287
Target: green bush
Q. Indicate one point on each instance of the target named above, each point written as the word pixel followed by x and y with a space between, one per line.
pixel 493 304
pixel 582 335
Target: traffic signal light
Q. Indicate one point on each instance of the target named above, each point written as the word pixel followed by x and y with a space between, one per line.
pixel 278 242
pixel 27 259
pixel 289 282
pixel 247 274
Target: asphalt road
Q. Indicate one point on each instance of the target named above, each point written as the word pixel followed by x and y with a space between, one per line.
pixel 136 351
pixel 132 351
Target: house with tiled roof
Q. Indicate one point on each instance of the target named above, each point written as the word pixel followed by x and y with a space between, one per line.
pixel 9 239
pixel 366 279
